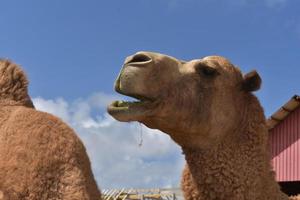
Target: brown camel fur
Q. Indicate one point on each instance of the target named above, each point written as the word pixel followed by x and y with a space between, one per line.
pixel 41 158
pixel 206 106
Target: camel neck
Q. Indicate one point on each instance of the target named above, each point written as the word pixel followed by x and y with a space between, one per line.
pixel 238 165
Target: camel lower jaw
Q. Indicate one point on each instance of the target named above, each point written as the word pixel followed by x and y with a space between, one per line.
pixel 126 111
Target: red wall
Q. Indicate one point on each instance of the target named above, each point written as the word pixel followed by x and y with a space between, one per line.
pixel 285 148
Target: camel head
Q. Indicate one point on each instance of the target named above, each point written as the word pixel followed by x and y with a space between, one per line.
pixel 196 102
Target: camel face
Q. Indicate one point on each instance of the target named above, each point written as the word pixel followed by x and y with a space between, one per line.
pixel 194 102
pixel 144 76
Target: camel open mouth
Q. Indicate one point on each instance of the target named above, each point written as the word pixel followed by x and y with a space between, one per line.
pixel 130 110
pixel 124 105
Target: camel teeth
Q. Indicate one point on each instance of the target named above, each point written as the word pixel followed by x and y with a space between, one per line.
pixel 126 103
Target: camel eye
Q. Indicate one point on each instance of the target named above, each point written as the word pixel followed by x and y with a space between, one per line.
pixel 206 70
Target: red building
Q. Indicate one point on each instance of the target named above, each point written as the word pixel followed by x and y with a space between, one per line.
pixel 284 129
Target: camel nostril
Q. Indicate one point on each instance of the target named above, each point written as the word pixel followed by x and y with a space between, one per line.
pixel 140 58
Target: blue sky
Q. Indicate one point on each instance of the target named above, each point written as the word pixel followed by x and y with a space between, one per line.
pixel 72 51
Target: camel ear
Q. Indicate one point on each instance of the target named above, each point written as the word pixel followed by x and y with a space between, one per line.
pixel 251 82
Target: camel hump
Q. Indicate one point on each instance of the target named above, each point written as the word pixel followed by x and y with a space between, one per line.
pixel 13 83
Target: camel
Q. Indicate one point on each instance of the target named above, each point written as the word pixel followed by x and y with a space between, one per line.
pixel 207 106
pixel 41 158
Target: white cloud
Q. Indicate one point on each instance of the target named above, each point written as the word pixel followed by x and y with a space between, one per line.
pixel 117 158
pixel 57 107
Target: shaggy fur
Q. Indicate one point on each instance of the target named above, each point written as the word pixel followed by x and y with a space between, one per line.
pixel 41 158
pixel 237 168
pixel 207 107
